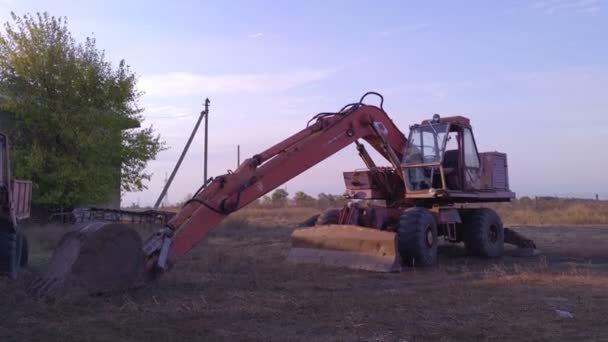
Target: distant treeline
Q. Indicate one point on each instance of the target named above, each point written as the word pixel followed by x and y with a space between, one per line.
pixel 523 210
pixel 280 198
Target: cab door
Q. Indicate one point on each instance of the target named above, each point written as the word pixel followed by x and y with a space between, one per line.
pixel 472 165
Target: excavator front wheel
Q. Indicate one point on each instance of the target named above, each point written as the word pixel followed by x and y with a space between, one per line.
pixel 484 234
pixel 417 237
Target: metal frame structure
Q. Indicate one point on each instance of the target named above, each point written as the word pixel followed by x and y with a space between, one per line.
pixel 15 205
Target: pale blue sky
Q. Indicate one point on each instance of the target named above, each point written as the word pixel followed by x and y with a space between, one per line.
pixel 531 75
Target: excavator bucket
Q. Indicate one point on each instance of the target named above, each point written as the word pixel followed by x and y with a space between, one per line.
pixel 93 258
pixel 345 246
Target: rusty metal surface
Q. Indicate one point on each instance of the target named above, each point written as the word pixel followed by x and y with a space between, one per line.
pixel 456 120
pixel 21 199
pixel 15 195
pixel 494 171
pixel 78 215
pixel 345 259
pixel 383 183
pixel 464 197
pixel 345 246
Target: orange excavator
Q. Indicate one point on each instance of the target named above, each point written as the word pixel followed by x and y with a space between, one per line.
pixel 433 171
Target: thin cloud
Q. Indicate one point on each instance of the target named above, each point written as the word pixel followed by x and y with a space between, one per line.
pixel 550 7
pixel 438 91
pixel 187 83
pixel 253 35
pixel 160 111
pixel 404 29
pixel 6 7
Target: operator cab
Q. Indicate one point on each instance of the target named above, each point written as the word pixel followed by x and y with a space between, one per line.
pixel 441 160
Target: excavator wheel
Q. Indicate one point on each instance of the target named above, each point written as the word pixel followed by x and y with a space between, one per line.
pixel 484 234
pixel 93 258
pixel 417 237
pixel 330 216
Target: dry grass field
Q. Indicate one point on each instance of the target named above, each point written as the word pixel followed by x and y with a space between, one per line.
pixel 552 210
pixel 236 286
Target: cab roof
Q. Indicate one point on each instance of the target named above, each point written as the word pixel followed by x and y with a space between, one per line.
pixel 454 120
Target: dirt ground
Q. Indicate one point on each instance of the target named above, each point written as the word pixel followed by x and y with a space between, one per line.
pixel 236 286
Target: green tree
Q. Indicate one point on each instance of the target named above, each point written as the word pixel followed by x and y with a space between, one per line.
pixel 279 198
pixel 76 116
pixel 325 201
pixel 265 201
pixel 302 199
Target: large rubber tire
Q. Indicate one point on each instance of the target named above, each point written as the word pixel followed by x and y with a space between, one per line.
pixel 417 238
pixel 330 216
pixel 9 257
pixel 483 233
pixel 25 250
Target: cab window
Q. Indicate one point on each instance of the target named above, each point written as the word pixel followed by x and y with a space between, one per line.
pixel 471 159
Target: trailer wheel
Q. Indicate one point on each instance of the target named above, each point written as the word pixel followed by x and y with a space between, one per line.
pixel 330 216
pixel 417 237
pixel 9 259
pixel 483 233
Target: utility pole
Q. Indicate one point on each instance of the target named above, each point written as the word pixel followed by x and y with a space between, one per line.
pixel 204 113
pixel 206 137
pixel 238 156
pixel 165 200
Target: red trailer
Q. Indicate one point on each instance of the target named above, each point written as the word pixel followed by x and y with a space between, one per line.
pixel 15 205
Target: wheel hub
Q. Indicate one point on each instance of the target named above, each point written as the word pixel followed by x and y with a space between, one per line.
pixel 430 239
pixel 493 233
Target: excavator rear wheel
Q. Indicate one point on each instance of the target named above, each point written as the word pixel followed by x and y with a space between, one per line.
pixel 483 233
pixel 417 237
pixel 330 216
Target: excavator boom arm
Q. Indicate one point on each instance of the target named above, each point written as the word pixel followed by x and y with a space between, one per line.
pixel 266 171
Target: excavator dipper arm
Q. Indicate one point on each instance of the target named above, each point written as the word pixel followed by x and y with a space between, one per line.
pixel 256 176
